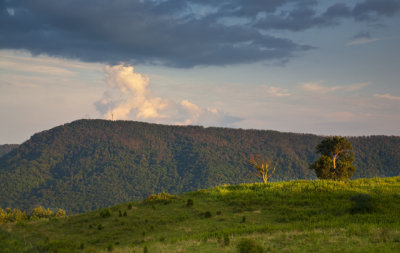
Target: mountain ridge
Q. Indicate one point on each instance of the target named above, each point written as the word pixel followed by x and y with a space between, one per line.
pixel 89 164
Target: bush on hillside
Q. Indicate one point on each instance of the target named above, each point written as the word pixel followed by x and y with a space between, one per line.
pixel 249 246
pixel 160 197
pixel 362 203
pixel 105 213
pixel 189 203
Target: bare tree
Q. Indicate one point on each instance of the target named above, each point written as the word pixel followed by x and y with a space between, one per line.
pixel 262 166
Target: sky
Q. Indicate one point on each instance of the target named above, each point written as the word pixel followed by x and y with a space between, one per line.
pixel 311 66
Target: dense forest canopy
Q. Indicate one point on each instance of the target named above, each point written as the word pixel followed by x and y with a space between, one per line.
pixel 6 148
pixel 89 164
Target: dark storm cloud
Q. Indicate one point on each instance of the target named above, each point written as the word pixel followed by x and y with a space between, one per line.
pixel 372 9
pixel 180 33
pixel 306 17
pixel 362 35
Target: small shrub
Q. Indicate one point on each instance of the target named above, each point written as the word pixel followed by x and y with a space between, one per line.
pixel 145 249
pixel 219 212
pixel 125 214
pixel 100 227
pixel 105 213
pixel 60 213
pixel 39 212
pixel 110 247
pixel 384 235
pixel 82 246
pixel 119 213
pixel 130 206
pixel 189 203
pixel 227 241
pixel 362 203
pixel 249 246
pixel 160 198
pixel 207 214
pixel 243 219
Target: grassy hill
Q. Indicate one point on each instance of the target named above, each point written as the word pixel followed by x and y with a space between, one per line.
pixel 295 216
pixel 89 164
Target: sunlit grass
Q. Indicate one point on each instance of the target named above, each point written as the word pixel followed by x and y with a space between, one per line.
pixel 294 216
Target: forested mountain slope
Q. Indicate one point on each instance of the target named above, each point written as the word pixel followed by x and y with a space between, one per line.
pixel 89 164
pixel 6 148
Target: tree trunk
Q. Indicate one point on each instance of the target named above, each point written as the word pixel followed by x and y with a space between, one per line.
pixel 334 161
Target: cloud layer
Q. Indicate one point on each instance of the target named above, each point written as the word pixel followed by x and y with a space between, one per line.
pixel 180 33
pixel 317 87
pixel 130 97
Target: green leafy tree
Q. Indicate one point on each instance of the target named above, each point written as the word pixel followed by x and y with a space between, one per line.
pixel 336 160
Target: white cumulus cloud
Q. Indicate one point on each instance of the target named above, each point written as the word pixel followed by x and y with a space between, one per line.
pixel 130 97
pixel 135 95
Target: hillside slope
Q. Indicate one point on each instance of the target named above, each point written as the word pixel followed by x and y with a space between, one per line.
pixel 296 216
pixel 88 164
pixel 7 148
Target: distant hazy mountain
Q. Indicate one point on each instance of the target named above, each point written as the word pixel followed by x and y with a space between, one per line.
pixel 89 164
pixel 6 148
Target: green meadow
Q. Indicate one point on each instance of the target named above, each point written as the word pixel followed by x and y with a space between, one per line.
pixel 360 215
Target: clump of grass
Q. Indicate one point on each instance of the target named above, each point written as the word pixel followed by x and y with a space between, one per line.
pixel 249 246
pixel 207 214
pixel 105 213
pixel 110 247
pixel 189 203
pixel 362 203
pixel 227 240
